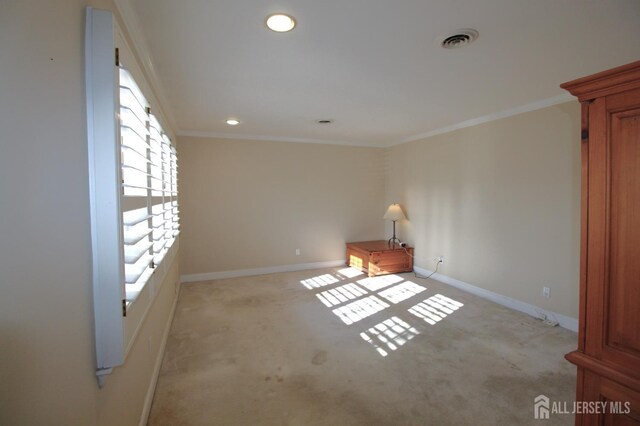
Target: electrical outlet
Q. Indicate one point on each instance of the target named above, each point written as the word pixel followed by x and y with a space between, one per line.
pixel 297 252
pixel 546 292
pixel 440 259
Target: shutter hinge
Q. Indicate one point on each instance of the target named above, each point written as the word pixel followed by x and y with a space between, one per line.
pixel 117 57
pixel 124 307
pixel 584 134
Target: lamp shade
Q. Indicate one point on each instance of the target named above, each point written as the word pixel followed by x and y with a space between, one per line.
pixel 394 212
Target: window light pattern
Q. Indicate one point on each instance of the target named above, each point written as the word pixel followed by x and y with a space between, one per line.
pixel 360 309
pixel 435 308
pixel 402 291
pixel 389 335
pixel 382 281
pixel 353 298
pixel 319 281
pixel 350 272
pixel 338 295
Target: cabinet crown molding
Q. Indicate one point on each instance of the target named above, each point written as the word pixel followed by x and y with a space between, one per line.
pixel 615 80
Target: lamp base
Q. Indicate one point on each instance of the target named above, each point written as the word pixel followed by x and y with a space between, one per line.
pixel 392 241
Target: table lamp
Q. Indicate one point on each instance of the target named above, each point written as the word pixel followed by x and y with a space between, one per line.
pixel 394 213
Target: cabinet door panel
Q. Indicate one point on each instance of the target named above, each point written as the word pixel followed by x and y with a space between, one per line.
pixel 623 286
pixel 621 404
pixel 608 355
pixel 613 252
pixel 620 333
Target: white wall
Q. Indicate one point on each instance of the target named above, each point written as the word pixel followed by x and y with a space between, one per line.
pixel 47 360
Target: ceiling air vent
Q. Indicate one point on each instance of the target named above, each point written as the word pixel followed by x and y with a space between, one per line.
pixel 458 38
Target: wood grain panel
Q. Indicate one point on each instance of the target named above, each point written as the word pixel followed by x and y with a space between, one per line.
pixel 584 221
pixel 608 355
pixel 618 405
pixel 596 233
pixel 378 258
pixel 623 286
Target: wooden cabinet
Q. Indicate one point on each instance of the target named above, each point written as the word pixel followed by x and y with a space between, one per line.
pixel 379 258
pixel 608 354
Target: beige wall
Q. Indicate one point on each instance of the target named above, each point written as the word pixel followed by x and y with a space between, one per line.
pixel 47 359
pixel 251 204
pixel 500 201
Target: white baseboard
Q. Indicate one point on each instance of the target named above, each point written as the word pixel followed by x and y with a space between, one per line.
pixel 260 271
pixel 151 390
pixel 518 305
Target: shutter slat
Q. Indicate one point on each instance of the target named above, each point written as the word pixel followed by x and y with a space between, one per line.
pixel 136 186
pixel 133 254
pixel 131 238
pixel 133 272
pixel 149 170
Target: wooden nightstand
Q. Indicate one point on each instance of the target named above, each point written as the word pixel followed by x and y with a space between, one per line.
pixel 378 258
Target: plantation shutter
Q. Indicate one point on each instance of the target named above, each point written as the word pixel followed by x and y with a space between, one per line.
pixel 136 184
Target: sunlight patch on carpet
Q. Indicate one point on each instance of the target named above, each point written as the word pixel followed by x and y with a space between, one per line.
pixel 360 309
pixel 338 295
pixel 382 281
pixel 319 281
pixel 389 335
pixel 435 308
pixel 402 291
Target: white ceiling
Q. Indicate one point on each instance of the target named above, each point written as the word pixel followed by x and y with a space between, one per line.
pixel 371 65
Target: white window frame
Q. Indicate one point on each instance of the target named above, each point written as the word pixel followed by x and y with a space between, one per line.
pixel 119 314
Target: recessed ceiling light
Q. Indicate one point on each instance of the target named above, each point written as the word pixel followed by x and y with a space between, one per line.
pixel 232 122
pixel 280 23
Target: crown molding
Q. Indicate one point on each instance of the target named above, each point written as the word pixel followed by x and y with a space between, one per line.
pixel 544 103
pixel 219 135
pixel 615 80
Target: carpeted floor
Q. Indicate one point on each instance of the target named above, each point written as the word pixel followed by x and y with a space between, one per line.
pixel 325 347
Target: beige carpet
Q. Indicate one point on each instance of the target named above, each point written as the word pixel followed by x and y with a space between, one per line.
pixel 324 347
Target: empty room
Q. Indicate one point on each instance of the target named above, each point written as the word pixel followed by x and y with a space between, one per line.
pixel 421 212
